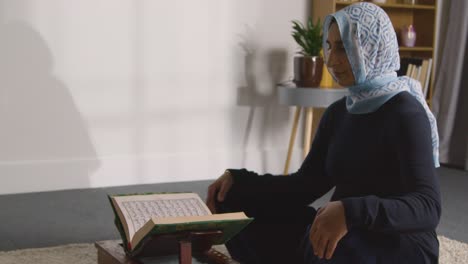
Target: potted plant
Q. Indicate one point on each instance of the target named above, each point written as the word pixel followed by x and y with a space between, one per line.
pixel 308 67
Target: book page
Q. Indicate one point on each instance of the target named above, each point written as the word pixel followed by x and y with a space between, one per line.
pixel 215 217
pixel 139 209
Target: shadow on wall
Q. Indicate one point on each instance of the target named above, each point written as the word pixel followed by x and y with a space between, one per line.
pixel 44 140
pixel 262 71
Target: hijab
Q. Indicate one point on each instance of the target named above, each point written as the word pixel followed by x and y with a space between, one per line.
pixel 372 49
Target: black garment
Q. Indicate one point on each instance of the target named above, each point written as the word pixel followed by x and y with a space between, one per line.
pixel 382 166
pixel 276 233
pixel 358 247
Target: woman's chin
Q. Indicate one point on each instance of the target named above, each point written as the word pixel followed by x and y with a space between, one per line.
pixel 344 83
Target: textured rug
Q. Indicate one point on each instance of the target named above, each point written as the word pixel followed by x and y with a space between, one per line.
pixel 451 252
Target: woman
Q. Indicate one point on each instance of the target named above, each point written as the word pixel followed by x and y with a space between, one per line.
pixel 378 147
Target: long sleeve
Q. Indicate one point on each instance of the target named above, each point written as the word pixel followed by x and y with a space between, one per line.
pixel 417 207
pixel 306 185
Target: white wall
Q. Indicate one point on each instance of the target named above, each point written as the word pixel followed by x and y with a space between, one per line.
pixel 104 92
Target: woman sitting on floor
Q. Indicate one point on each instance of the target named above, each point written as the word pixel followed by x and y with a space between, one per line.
pixel 378 147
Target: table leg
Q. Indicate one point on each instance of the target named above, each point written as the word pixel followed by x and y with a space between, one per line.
pixel 308 129
pixel 185 253
pixel 292 138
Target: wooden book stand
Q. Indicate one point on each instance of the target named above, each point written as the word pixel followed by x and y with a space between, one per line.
pixel 183 244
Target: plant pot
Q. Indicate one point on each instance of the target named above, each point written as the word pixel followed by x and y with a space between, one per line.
pixel 308 71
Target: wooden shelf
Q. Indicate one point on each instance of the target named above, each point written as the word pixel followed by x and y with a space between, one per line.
pixel 416 48
pixel 401 6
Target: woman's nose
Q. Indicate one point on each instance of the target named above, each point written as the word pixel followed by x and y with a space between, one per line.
pixel 332 59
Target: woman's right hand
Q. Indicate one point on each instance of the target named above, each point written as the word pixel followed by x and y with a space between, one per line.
pixel 219 188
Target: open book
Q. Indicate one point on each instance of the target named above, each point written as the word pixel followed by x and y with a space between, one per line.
pixel 139 216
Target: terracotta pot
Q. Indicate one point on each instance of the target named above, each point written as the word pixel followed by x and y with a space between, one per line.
pixel 308 71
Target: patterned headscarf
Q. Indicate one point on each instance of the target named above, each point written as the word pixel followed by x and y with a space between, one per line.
pixel 372 49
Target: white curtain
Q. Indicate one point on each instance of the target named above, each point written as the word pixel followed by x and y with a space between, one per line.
pixel 450 95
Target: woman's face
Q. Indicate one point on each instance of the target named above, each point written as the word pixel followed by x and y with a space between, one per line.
pixel 338 63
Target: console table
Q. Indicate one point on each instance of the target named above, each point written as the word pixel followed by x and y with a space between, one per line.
pixel 307 98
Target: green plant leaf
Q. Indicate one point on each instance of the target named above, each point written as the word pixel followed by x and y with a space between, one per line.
pixel 308 37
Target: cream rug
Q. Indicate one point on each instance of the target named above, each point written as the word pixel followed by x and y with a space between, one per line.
pixel 451 252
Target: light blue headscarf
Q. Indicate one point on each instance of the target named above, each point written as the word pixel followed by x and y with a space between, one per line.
pixel 372 49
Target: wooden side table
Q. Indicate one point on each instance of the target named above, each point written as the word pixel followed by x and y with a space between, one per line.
pixel 307 98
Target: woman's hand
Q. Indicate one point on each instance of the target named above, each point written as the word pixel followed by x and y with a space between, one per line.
pixel 220 187
pixel 328 228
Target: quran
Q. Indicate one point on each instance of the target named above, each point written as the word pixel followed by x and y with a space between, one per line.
pixel 139 217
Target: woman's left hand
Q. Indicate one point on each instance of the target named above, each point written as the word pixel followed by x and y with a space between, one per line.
pixel 328 228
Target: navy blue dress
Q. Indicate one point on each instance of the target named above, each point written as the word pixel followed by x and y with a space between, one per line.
pixel 382 168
